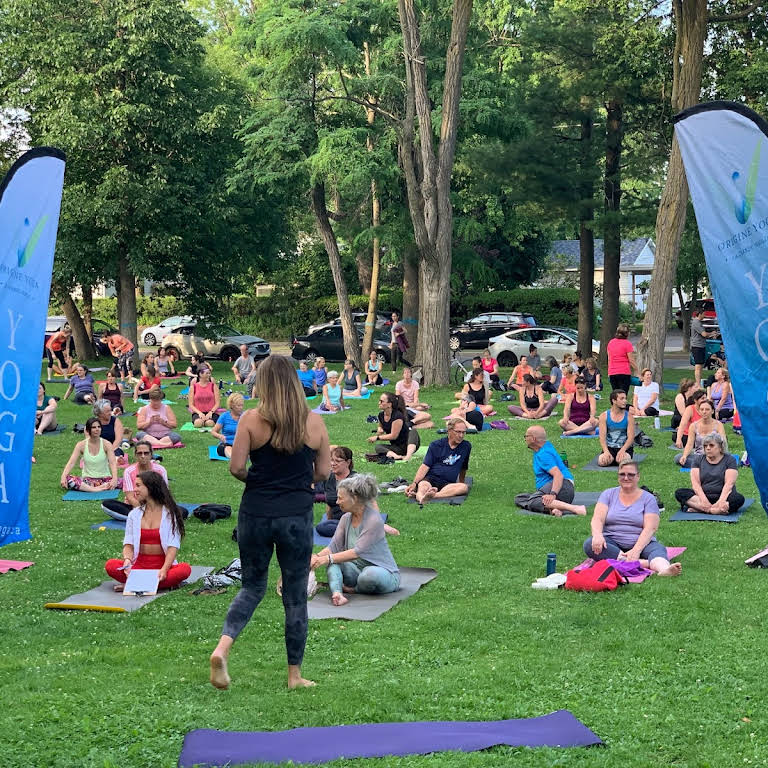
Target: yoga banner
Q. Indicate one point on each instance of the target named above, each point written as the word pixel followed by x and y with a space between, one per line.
pixel 725 152
pixel 30 200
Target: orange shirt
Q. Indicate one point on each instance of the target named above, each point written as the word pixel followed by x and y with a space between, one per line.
pixel 119 344
pixel 57 342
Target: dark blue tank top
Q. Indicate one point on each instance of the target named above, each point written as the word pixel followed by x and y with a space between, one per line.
pixel 279 484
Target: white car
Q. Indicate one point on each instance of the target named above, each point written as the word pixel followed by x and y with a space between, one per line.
pixel 510 346
pixel 152 336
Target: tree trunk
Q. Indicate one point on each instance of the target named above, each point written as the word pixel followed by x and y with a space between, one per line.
pixel 411 300
pixel 685 316
pixel 325 230
pixel 612 228
pixel 88 309
pixel 126 301
pixel 364 272
pixel 434 319
pixel 691 30
pixel 586 242
pixel 83 346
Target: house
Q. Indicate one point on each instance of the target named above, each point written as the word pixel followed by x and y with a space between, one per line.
pixel 637 257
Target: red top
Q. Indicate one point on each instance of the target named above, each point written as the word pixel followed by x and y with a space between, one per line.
pixel 489 364
pixel 57 341
pixel 150 536
pixel 146 383
pixel 618 357
pixel 205 396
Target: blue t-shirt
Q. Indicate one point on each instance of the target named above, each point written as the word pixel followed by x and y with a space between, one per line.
pixel 228 426
pixel 543 460
pixel 446 463
pixel 321 376
pixel 307 378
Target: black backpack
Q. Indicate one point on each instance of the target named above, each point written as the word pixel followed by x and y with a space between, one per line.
pixel 210 513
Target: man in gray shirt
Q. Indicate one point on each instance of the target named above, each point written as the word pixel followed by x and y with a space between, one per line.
pixel 698 344
pixel 244 368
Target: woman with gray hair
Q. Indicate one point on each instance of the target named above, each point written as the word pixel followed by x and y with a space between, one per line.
pixel 111 426
pixel 358 558
pixel 706 426
pixel 713 481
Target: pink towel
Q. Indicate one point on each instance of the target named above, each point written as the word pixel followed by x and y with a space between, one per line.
pixel 13 565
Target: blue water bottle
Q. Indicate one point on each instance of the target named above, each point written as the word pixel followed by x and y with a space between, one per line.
pixel 551 563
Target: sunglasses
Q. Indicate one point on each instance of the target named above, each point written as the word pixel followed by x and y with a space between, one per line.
pixel 627 475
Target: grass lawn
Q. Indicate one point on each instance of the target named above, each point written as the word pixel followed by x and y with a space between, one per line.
pixel 668 673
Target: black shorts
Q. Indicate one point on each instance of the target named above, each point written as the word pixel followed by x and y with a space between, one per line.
pixel 699 355
pixel 613 450
pixel 439 482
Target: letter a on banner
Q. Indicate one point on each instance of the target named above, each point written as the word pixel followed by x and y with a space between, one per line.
pixel 30 201
pixel 725 152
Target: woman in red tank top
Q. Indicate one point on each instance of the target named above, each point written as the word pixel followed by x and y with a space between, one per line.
pixel 203 399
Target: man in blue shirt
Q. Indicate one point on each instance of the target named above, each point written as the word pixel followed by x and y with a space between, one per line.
pixel 554 481
pixel 444 470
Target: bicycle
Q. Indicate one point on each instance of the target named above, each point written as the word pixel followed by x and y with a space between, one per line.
pixel 458 371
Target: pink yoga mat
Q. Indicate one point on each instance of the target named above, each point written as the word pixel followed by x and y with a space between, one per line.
pixel 13 565
pixel 672 553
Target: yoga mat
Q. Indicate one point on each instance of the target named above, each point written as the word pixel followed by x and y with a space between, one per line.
pixel 110 525
pixel 104 598
pixel 206 747
pixel 734 518
pixel 328 413
pixel 92 496
pixel 364 396
pixel 166 447
pixel 184 391
pixel 13 565
pixel 667 429
pixel 596 433
pixel 587 498
pixel 188 426
pixel 670 386
pixel 661 413
pixel 452 500
pixel 370 607
pixel 59 429
pixel 593 465
pixel 189 507
pixel 213 456
pixel 324 541
pixel 672 553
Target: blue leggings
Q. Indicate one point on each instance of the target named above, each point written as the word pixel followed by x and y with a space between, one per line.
pixel 611 550
pixel 371 580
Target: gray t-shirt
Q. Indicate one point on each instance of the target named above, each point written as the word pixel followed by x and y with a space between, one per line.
pixel 712 476
pixel 623 524
pixel 244 366
pixel 697 340
pixel 369 541
pixel 534 361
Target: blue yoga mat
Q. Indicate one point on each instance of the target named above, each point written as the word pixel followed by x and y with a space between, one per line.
pixel 364 396
pixel 206 747
pixel 189 507
pixel 110 525
pixel 213 456
pixel 324 541
pixel 671 386
pixel 734 518
pixel 86 496
pixel 596 433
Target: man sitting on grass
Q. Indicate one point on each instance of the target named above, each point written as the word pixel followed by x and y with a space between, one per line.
pixel 554 481
pixel 444 470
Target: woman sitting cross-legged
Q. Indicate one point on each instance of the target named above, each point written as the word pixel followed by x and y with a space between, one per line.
pixel 394 428
pixel 591 374
pixel 645 401
pixel 408 389
pixel 153 534
pixel 307 379
pixel 358 558
pixel 691 415
pixel 110 390
pixel 624 523
pixel 682 399
pixel 713 481
pixel 111 426
pixel 148 381
pixel 579 411
pixel 203 399
pixel 164 364
pixel 617 431
pixel 45 415
pixel 476 390
pixel 156 422
pixel 533 404
pixel 568 382
pixel 333 394
pixel 721 395
pixel 491 366
pixel 350 380
pixel 705 426
pixel 99 464
pixel 342 467
pixel 226 426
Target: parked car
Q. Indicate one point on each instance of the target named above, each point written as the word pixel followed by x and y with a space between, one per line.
pixel 509 347
pixel 55 323
pixel 152 336
pixel 708 316
pixel 329 343
pixel 358 318
pixel 183 342
pixel 477 332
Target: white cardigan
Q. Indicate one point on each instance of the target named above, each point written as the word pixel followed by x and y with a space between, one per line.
pixel 168 538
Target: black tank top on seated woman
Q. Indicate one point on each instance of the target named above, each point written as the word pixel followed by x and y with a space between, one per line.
pixel 402 439
pixel 477 396
pixel 279 484
pixel 532 401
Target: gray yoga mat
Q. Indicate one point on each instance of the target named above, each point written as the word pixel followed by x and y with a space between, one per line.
pixel 452 500
pixel 587 498
pixel 104 598
pixel 594 467
pixel 734 518
pixel 59 429
pixel 370 607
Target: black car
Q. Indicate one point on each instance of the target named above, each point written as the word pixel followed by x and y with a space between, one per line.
pixel 474 333
pixel 55 323
pixel 329 343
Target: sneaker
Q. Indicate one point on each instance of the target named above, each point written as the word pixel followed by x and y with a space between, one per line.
pixel 397 489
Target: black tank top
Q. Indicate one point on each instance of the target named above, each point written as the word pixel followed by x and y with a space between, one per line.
pixel 532 401
pixel 113 395
pixel 386 425
pixel 477 396
pixel 279 484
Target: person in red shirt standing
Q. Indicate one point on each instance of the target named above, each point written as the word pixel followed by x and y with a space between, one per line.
pixel 58 346
pixel 122 351
pixel 621 359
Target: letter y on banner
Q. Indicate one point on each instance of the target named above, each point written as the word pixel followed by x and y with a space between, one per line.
pixel 30 201
pixel 724 146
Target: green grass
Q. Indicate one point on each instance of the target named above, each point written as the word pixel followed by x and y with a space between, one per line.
pixel 667 673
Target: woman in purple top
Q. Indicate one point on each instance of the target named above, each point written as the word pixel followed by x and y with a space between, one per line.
pixel 624 523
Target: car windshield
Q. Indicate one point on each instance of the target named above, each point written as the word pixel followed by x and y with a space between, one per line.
pixel 227 330
pixel 178 319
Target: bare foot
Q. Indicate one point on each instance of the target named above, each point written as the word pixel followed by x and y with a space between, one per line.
pixel 580 509
pixel 219 675
pixel 388 529
pixel 299 682
pixel 556 512
pixel 338 599
pixel 410 493
pixel 430 494
pixel 118 587
pixel 675 569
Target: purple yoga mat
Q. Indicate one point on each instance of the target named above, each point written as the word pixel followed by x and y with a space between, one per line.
pixel 642 573
pixel 320 745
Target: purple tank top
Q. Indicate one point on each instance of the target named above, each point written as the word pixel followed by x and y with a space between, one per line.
pixel 580 411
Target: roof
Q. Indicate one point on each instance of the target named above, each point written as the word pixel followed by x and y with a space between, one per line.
pixel 636 255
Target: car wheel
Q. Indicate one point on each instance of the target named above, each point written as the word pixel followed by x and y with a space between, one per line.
pixel 382 357
pixel 174 353
pixel 229 353
pixel 310 355
pixel 150 340
pixel 454 343
pixel 507 359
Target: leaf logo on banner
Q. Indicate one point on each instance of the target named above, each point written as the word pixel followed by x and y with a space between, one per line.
pixel 27 248
pixel 744 200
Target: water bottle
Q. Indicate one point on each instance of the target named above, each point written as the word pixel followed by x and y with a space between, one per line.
pixel 657 423
pixel 551 563
pixel 221 383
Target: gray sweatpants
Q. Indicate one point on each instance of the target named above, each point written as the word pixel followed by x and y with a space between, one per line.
pixel 533 502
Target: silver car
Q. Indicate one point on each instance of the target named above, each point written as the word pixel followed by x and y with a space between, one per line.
pixel 183 342
pixel 509 347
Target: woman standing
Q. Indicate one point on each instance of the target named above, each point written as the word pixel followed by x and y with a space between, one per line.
pixel 288 448
pixel 621 359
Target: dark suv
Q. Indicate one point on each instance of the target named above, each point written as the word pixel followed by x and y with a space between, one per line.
pixel 474 333
pixel 708 314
